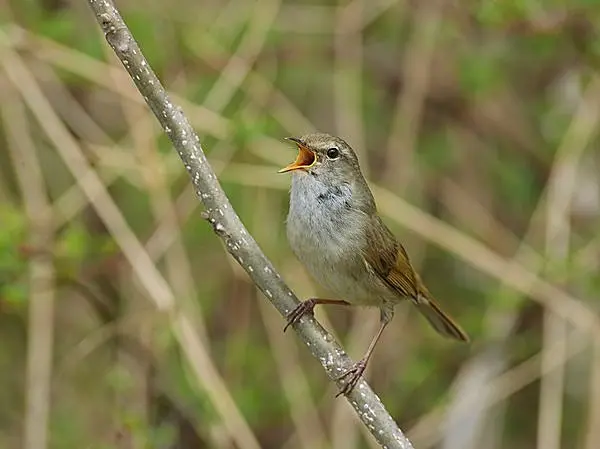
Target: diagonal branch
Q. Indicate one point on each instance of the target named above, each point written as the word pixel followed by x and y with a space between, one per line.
pixel 230 229
pixel 133 251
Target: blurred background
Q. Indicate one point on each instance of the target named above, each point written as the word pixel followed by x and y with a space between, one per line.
pixel 476 123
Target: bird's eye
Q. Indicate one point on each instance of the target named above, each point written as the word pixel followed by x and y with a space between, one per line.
pixel 333 153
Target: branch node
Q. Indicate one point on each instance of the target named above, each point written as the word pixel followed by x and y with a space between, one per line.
pixel 105 22
pixel 118 38
pixel 219 228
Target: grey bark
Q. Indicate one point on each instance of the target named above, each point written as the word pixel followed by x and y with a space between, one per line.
pixel 227 225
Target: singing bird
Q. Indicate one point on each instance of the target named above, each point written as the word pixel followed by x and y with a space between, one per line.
pixel 334 230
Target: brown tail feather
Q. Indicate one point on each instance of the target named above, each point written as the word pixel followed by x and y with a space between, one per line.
pixel 441 322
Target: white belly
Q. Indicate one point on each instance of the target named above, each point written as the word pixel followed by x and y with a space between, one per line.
pixel 325 233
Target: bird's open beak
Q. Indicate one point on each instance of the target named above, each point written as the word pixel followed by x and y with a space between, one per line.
pixel 305 159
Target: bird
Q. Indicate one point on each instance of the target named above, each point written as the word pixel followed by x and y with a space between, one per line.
pixel 335 231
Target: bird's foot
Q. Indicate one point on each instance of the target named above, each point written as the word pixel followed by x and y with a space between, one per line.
pixel 352 377
pixel 305 307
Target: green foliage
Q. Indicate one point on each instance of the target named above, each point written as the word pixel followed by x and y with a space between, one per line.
pixel 68 428
pixel 517 187
pixel 434 154
pixel 492 12
pixel 248 129
pixel 13 263
pixel 480 72
pixel 145 29
pixel 73 243
pixel 492 58
pixel 15 294
pixel 264 402
pixel 58 27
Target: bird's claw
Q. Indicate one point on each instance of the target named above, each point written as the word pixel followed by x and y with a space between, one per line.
pixel 305 307
pixel 353 375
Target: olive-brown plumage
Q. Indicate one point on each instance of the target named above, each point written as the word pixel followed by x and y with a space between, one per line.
pixel 334 229
pixel 390 261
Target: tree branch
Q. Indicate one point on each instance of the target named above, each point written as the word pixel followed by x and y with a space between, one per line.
pixel 229 228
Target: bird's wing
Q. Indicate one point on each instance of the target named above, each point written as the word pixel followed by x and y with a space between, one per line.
pixel 389 259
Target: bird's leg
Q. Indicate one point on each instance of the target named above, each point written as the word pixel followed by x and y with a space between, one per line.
pixel 307 307
pixel 353 375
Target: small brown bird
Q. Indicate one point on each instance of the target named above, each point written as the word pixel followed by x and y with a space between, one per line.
pixel 334 230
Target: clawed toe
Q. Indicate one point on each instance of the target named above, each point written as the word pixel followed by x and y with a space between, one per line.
pixel 352 377
pixel 300 310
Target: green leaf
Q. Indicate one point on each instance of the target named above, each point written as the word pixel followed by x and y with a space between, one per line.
pixel 73 243
pixel 479 73
pixel 15 294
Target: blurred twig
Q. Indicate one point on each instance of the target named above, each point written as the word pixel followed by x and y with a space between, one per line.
pixel 141 263
pixel 111 329
pixel 347 77
pixel 501 322
pixel 70 110
pixel 228 226
pixel 281 108
pixel 176 262
pixel 592 436
pixel 561 187
pixel 40 338
pixel 498 389
pixel 91 68
pixel 306 18
pixel 239 65
pixel 303 410
pixel 416 67
pixel 517 276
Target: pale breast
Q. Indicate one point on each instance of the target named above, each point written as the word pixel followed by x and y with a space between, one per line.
pixel 326 234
